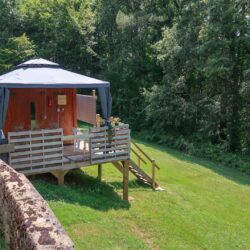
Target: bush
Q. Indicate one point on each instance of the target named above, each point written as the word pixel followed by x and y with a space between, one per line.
pixel 195 146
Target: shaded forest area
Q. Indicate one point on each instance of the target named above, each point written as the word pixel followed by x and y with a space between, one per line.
pixel 180 70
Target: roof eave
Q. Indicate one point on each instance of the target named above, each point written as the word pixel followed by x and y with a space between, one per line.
pixel 54 85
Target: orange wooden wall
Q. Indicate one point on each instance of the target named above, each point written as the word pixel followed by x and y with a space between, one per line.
pixel 19 109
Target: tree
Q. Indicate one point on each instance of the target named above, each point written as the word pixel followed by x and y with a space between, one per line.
pixel 177 55
pixel 225 46
pixel 126 31
pixel 62 31
pixel 16 50
pixel 175 65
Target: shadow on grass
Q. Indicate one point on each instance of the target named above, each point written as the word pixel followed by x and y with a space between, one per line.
pixel 229 173
pixel 133 184
pixel 3 245
pixel 80 189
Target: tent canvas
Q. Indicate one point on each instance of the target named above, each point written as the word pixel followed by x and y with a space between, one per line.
pixel 41 73
pixel 4 99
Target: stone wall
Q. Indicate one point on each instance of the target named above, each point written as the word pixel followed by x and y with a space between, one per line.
pixel 25 217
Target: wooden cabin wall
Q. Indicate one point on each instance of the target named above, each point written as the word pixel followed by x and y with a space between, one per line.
pixel 19 110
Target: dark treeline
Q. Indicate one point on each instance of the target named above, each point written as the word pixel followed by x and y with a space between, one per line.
pixel 179 69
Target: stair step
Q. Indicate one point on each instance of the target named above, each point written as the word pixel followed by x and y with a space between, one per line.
pixel 145 182
pixel 140 174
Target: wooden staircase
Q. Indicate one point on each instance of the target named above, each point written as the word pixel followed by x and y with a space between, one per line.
pixel 141 175
pixel 136 168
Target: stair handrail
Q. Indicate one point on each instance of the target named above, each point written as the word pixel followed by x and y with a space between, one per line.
pixel 152 161
pixel 138 156
pixel 138 147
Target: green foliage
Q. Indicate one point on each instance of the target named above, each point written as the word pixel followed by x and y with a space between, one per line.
pixel 203 57
pixel 62 30
pixel 177 67
pixel 3 245
pixel 196 146
pixel 126 31
pixel 224 49
pixel 17 49
pixel 245 114
pixel 83 125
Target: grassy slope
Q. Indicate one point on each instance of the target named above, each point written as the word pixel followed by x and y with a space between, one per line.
pixel 2 243
pixel 203 206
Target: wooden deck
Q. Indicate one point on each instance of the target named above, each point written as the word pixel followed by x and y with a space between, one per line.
pixel 40 151
pixel 71 154
pixel 43 151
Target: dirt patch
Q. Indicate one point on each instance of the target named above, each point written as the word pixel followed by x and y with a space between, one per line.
pixel 140 233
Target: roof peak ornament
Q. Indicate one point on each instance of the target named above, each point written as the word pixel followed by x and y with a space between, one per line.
pixel 38 63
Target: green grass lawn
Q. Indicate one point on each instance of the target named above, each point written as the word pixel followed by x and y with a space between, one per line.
pixel 2 243
pixel 204 206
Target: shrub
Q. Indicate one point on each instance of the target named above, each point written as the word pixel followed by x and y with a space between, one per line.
pixel 195 146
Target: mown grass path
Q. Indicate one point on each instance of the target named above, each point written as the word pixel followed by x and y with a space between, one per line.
pixel 204 206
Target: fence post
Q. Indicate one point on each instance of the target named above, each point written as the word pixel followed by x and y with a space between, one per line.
pixel 153 174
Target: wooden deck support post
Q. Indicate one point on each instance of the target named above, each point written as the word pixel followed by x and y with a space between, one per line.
pixel 125 179
pixel 153 175
pixel 100 172
pixel 60 174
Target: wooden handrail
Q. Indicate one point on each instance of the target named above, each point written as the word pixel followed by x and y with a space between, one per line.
pixel 153 174
pixel 138 156
pixel 151 160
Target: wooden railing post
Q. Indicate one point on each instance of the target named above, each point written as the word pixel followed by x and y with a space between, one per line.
pixel 139 162
pixel 94 94
pixel 153 174
pixel 90 145
pixel 125 179
pixel 98 121
pixel 142 153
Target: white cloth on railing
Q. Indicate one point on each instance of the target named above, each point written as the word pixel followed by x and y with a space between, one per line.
pixel 77 142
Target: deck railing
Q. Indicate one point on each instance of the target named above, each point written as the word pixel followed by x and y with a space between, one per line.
pixel 36 150
pixel 109 144
pixel 43 150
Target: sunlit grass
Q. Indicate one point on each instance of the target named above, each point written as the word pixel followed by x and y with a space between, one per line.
pixel 204 206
